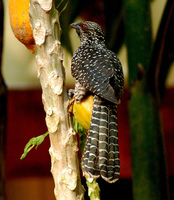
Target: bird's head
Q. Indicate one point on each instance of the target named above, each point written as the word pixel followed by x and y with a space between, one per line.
pixel 89 32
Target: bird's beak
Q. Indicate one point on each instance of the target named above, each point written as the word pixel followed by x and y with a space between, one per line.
pixel 73 25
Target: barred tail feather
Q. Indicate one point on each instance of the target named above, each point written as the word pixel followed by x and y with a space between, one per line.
pixel 101 155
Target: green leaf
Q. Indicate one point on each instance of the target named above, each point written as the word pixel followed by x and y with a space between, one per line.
pixel 81 132
pixel 33 142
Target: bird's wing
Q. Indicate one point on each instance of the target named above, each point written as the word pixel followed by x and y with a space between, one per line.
pixel 99 74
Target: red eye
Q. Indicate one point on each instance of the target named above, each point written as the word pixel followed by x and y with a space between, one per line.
pixel 83 26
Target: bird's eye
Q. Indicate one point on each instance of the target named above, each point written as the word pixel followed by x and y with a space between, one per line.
pixel 83 26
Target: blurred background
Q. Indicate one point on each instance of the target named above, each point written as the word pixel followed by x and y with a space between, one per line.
pixel 31 178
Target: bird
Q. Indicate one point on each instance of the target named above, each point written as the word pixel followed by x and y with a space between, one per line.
pixel 98 72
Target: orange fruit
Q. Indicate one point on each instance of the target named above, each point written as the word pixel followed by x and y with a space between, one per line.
pixel 20 23
pixel 82 111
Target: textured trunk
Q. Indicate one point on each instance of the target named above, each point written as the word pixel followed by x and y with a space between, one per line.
pixel 49 58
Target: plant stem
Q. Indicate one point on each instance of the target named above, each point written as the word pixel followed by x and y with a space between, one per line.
pixel 148 158
pixel 93 188
pixel 49 58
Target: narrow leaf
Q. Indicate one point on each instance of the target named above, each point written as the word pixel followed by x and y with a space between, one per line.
pixel 33 142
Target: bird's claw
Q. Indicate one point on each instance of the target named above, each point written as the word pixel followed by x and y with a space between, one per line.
pixel 71 103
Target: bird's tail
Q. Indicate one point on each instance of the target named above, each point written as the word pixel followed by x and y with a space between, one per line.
pixel 101 155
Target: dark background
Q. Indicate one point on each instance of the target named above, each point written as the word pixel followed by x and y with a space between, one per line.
pixel 32 177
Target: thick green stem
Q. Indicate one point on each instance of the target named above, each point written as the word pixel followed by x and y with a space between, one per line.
pixel 148 157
